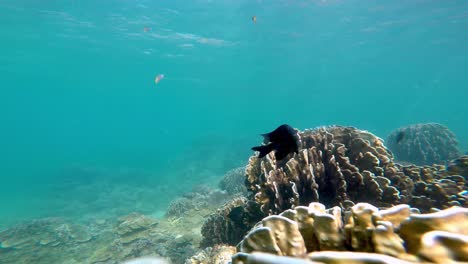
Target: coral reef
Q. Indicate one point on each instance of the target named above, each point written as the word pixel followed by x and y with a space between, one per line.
pixel 423 144
pixel 180 206
pixel 394 233
pixel 200 197
pixel 322 257
pixel 147 260
pixel 44 241
pixel 175 237
pixel 133 226
pixel 230 222
pixel 338 166
pixel 233 181
pixel 459 166
pixel 219 254
pixel 335 164
pixel 373 216
pixel 48 232
pixel 89 193
pixel 131 236
pixel 437 186
pixel 110 241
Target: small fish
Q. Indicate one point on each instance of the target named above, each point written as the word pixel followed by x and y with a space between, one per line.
pixel 158 78
pixel 236 214
pixel 146 29
pixel 399 137
pixel 254 19
pixel 283 140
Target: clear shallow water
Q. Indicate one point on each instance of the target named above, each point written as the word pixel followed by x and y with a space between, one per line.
pixel 77 89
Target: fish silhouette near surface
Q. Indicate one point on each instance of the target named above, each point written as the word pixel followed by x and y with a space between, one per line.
pixel 283 140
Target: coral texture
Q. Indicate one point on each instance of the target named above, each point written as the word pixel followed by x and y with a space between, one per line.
pixel 394 232
pixel 199 198
pixel 48 232
pixel 459 166
pixel 220 254
pixel 111 241
pixel 322 257
pixel 339 166
pixel 424 144
pixel 335 164
pixel 229 223
pixel 437 186
pixel 233 181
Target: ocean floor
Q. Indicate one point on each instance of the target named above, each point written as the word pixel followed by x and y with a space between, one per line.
pixel 96 238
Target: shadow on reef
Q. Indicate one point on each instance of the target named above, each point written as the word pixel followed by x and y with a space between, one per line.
pixel 275 212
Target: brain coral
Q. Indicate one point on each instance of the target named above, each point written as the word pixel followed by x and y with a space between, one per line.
pixel 424 144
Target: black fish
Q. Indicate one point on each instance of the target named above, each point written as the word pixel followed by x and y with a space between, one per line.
pixel 399 137
pixel 236 214
pixel 283 140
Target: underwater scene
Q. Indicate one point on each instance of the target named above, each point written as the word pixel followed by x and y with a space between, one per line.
pixel 233 131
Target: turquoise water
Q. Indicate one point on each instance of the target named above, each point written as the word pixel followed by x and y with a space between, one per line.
pixel 84 129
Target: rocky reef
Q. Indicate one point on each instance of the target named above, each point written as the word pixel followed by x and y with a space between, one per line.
pixel 424 144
